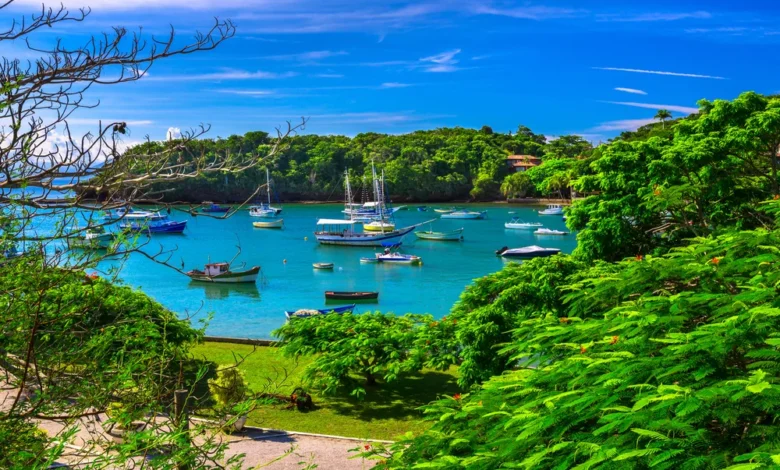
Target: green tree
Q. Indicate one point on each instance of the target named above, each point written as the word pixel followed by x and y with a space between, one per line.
pixel 516 185
pixel 567 146
pixel 662 115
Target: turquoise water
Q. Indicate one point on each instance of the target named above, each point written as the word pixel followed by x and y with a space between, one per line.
pixel 254 311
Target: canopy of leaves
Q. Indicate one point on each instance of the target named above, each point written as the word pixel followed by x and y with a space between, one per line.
pixel 664 362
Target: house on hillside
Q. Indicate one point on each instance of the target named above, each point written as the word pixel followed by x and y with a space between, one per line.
pixel 522 162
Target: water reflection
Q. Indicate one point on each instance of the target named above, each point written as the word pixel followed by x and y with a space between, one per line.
pixel 218 291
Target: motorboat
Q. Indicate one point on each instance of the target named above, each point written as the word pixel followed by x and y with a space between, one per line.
pixel 527 252
pixel 552 209
pixel 279 223
pixel 210 207
pixel 335 295
pixel 165 226
pixel 547 231
pixel 307 312
pixel 445 210
pixel 518 224
pixel 465 215
pixel 220 272
pixel 392 256
pixel 379 226
pixel 452 235
pixel 92 237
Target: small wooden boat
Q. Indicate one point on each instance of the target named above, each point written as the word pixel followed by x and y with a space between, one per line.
pixel 209 206
pixel 166 226
pixel 552 209
pixel 307 312
pixel 379 226
pixel 517 224
pixel 527 252
pixel 220 272
pixel 547 231
pixel 454 235
pixel 273 224
pixel 94 237
pixel 465 215
pixel 446 210
pixel 331 295
pixel 323 265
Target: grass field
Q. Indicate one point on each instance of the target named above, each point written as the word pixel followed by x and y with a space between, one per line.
pixel 388 411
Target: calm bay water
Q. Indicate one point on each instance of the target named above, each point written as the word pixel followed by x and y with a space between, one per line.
pixel 254 311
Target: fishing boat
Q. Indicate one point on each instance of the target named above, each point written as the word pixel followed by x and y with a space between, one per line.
pixel 379 226
pixel 331 295
pixel 527 252
pixel 271 224
pixel 465 215
pixel 210 207
pixel 552 209
pixel 391 255
pixel 221 273
pixel 323 265
pixel 547 231
pixel 517 224
pixel 166 226
pixel 341 232
pixel 453 235
pixel 310 312
pixel 265 209
pixel 93 237
pixel 129 213
pixel 446 210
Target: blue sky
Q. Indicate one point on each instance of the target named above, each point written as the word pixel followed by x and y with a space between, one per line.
pixel 593 68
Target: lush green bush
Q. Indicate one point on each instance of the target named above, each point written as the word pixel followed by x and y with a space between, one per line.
pixel 229 387
pixel 369 345
pixel 665 362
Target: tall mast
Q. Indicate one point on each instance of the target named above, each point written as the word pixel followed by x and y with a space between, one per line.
pixel 268 184
pixel 348 195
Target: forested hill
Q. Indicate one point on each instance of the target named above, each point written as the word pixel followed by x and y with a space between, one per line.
pixel 445 164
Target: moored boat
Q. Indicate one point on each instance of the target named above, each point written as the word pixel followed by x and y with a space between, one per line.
pixel 128 213
pixel 527 252
pixel 166 226
pixel 323 265
pixel 465 215
pixel 279 223
pixel 340 232
pixel 265 209
pixel 552 209
pixel 221 273
pixel 379 226
pixel 518 224
pixel 422 208
pixel 446 210
pixel 336 295
pixel 391 255
pixel 453 235
pixel 310 312
pixel 210 207
pixel 93 237
pixel 547 231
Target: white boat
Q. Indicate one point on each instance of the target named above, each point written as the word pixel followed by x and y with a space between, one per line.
pixel 221 273
pixel 547 231
pixel 517 224
pixel 392 256
pixel 446 210
pixel 379 226
pixel 128 213
pixel 341 232
pixel 279 223
pixel 454 235
pixel 465 215
pixel 527 252
pixel 93 237
pixel 552 209
pixel 265 210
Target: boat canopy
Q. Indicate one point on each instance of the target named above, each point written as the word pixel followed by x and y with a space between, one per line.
pixel 336 222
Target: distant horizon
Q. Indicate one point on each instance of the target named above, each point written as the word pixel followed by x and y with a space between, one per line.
pixel 593 68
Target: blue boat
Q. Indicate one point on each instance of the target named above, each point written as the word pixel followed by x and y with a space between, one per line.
pixel 212 207
pixel 306 313
pixel 422 209
pixel 168 226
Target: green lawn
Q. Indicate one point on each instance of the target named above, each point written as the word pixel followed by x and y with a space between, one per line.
pixel 388 411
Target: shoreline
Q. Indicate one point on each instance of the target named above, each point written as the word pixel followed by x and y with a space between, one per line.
pixel 520 202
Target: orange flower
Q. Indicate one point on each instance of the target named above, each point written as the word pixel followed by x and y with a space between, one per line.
pixel 583 350
pixel 614 340
pixel 367 447
pixel 715 260
pixel 639 257
pixel 456 396
pixel 777 196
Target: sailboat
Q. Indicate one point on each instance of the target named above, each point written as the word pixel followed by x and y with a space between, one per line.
pixel 265 209
pixel 382 223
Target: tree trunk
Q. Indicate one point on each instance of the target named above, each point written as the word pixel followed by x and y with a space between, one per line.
pixel 370 379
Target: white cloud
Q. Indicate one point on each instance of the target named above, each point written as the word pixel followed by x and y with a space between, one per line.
pixel 529 12
pixel 723 29
pixel 329 75
pixel 173 133
pixel 622 125
pixel 307 56
pixel 659 72
pixel 668 107
pixel 646 17
pixel 443 62
pixel 375 117
pixel 394 85
pixel 226 74
pixel 631 90
pixel 248 92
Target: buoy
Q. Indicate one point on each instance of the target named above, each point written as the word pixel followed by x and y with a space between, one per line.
pixel 284 261
pixel 305 239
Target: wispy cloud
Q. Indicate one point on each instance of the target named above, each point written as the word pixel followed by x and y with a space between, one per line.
pixel 394 85
pixel 377 117
pixel 648 17
pixel 631 90
pixel 481 57
pixel 622 125
pixel 226 74
pixel 443 62
pixel 329 75
pixel 529 12
pixel 307 56
pixel 722 29
pixel 257 93
pixel 669 107
pixel 660 72
pixel 94 122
